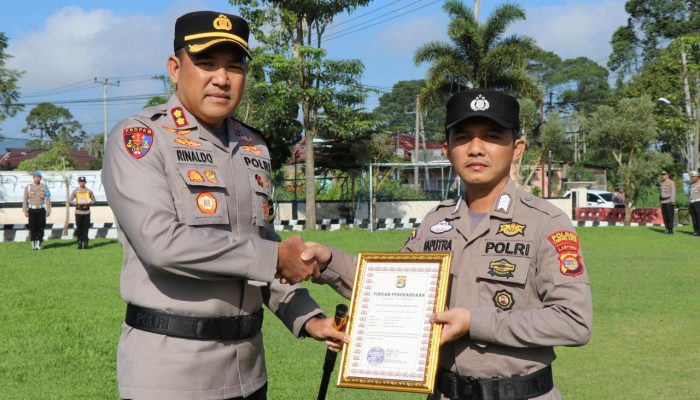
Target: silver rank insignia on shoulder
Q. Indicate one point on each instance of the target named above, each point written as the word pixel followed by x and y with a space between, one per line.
pixel 441 227
pixel 503 203
pixel 480 103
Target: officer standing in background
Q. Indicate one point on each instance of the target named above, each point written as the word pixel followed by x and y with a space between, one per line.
pixel 618 197
pixel 667 195
pixel 82 198
pixel 190 189
pixel 518 287
pixel 694 201
pixel 37 207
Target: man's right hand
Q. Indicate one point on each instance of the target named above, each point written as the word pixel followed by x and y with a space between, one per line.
pixel 290 266
pixel 319 252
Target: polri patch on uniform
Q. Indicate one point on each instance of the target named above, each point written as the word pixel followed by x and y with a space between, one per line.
pixel 503 299
pixel 138 140
pixel 566 243
pixel 194 176
pixel 501 268
pixel 211 175
pixel 179 117
pixel 187 142
pixel 511 229
pixel 177 131
pixel 441 227
pixel 206 202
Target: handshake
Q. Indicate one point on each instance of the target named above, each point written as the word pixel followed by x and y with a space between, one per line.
pixel 298 261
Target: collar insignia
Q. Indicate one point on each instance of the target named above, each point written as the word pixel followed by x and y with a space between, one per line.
pixel 503 203
pixel 511 229
pixel 177 131
pixel 179 117
pixel 441 227
pixel 480 103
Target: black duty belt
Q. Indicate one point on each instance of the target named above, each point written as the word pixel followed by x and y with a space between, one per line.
pixel 516 387
pixel 199 328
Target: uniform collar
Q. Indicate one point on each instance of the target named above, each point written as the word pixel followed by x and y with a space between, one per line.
pixel 502 209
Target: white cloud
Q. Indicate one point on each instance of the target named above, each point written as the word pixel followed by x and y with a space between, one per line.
pixel 576 28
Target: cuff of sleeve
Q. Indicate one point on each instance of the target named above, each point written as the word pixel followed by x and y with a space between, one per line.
pixel 480 323
pixel 265 267
pixel 298 327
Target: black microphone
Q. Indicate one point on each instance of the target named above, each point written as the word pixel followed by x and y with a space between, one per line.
pixel 341 318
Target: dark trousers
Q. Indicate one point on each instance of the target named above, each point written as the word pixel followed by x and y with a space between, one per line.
pixel 37 223
pixel 695 216
pixel 667 213
pixel 82 225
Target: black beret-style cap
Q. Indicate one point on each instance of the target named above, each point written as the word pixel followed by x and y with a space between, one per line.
pixel 199 30
pixel 487 103
pixel 81 179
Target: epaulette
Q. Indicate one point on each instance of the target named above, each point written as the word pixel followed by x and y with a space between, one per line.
pixel 153 112
pixel 442 204
pixel 541 205
pixel 256 131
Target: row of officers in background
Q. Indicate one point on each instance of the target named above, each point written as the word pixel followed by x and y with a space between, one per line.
pixel 667 197
pixel 37 207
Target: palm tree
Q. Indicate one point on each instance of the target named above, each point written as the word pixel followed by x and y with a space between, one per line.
pixel 479 56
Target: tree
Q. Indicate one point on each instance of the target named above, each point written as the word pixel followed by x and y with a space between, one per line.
pixel 652 23
pixel 396 110
pixel 9 91
pixel 626 130
pixel 55 122
pixel 57 158
pixel 479 56
pixel 324 89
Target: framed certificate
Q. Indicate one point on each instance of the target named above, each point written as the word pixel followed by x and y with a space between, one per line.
pixel 393 345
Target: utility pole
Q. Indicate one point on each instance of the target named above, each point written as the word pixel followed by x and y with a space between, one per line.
pixel 692 144
pixel 476 10
pixel 105 84
pixel 414 155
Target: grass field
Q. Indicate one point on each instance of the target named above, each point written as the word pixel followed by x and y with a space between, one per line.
pixel 61 315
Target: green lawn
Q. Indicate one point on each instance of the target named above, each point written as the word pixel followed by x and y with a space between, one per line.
pixel 61 313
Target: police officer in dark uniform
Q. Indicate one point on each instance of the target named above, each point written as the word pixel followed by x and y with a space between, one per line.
pixel 506 309
pixel 190 189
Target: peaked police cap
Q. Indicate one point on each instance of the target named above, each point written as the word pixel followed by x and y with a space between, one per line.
pixel 486 103
pixel 200 30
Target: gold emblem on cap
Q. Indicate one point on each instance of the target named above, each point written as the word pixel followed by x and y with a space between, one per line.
pixel 222 23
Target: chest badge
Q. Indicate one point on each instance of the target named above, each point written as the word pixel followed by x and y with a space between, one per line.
pixel 211 175
pixel 194 176
pixel 138 141
pixel 503 299
pixel 501 268
pixel 251 149
pixel 511 229
pixel 441 227
pixel 177 131
pixel 206 202
pixel 187 142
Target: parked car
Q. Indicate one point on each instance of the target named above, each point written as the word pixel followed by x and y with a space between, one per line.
pixel 596 198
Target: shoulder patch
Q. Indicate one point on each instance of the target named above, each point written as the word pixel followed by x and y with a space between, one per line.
pixel 567 246
pixel 138 140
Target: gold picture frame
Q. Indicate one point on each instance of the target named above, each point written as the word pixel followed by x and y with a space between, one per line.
pixel 392 347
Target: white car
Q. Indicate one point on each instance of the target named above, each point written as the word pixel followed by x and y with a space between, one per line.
pixel 596 198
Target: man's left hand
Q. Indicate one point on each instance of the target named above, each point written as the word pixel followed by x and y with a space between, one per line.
pixel 456 323
pixel 323 329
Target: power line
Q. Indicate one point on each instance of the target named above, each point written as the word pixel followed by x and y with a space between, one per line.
pixel 335 26
pixel 90 101
pixel 350 30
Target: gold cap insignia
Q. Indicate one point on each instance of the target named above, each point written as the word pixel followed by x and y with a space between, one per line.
pixel 222 23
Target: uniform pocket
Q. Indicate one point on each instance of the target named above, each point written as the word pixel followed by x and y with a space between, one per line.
pixel 203 198
pixel 501 281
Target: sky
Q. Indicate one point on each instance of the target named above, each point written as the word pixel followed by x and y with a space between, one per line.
pixel 63 46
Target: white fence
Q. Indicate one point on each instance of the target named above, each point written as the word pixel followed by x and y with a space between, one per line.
pixel 13 183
